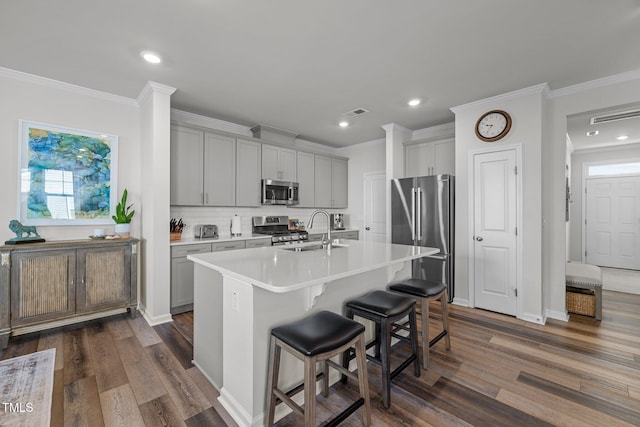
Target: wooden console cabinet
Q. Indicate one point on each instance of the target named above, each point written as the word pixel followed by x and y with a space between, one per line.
pixel 45 285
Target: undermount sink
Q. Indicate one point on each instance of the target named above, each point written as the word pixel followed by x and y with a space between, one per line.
pixel 312 247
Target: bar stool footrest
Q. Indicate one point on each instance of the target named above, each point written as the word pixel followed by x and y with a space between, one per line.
pixel 437 338
pixel 344 414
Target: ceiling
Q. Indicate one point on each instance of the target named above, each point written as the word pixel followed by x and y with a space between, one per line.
pixel 607 133
pixel 300 65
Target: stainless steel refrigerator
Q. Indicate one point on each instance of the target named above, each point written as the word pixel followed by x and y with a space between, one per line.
pixel 422 214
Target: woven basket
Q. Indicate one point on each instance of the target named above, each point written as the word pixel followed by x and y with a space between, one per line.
pixel 581 302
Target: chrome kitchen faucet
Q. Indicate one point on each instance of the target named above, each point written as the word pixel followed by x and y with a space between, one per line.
pixel 313 215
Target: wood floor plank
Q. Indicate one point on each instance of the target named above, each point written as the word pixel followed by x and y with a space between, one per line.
pixel 20 345
pixel 145 333
pixel 187 397
pixel 53 339
pixel 143 378
pixel 119 407
pixel 77 355
pixel 539 410
pixel 82 403
pixel 120 328
pixel 180 347
pixel 57 399
pixel 614 410
pixel 207 418
pixel 210 392
pixel 161 412
pixel 107 365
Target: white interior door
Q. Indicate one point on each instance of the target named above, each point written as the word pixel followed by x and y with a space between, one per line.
pixel 375 213
pixel 494 231
pixel 612 217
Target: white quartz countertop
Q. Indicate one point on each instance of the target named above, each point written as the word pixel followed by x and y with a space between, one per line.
pixel 277 269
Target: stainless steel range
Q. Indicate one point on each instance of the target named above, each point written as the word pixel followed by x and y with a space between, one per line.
pixel 278 228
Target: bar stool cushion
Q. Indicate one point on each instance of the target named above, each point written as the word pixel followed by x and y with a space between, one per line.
pixel 418 287
pixel 318 333
pixel 381 303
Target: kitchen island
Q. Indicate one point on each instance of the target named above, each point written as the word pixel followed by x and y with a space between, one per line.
pixel 239 296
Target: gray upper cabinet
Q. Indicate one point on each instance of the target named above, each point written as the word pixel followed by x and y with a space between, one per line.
pixel 248 165
pixel 306 180
pixel 339 183
pixel 278 163
pixel 430 157
pixel 219 170
pixel 187 146
pixel 331 180
pixel 322 181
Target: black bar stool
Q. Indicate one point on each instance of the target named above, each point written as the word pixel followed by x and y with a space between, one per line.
pixel 426 291
pixel 317 338
pixel 385 309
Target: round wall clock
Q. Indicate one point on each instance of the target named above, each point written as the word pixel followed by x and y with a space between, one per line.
pixel 493 125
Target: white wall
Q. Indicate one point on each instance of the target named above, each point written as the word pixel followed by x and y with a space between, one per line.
pixel 617 154
pixel 363 158
pixel 526 109
pixel 37 99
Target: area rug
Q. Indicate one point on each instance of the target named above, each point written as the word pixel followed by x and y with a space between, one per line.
pixel 26 385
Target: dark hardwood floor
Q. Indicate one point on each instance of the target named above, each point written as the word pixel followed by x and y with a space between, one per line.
pixel 500 371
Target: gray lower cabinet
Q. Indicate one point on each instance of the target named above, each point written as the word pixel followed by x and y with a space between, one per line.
pixel 51 284
pixel 258 243
pixel 182 270
pixel 336 234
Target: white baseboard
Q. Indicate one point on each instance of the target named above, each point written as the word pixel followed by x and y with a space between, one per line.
pixel 461 301
pixel 533 318
pixel 237 412
pixel 154 320
pixel 558 315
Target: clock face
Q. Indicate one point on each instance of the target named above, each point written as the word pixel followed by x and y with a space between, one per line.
pixel 493 125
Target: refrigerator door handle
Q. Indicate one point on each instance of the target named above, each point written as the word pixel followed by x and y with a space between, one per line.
pixel 419 231
pixel 413 214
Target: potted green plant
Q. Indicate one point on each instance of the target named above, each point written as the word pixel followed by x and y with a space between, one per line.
pixel 123 216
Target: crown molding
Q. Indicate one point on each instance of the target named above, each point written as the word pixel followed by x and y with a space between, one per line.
pixel 542 88
pixel 68 87
pixel 153 87
pixel 595 84
pixel 185 117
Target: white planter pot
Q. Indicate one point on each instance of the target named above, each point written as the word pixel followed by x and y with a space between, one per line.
pixel 122 230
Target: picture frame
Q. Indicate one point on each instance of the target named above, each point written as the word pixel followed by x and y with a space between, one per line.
pixel 66 176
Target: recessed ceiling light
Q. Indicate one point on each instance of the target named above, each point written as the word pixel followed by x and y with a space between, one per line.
pixel 414 102
pixel 592 133
pixel 622 137
pixel 151 57
pixel 343 124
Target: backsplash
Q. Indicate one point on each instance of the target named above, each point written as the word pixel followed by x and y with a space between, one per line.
pixel 221 217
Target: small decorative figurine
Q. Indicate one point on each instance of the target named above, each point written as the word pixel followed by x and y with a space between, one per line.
pixel 20 230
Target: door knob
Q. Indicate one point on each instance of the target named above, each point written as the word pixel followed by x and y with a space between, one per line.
pixel 367 228
pixel 479 239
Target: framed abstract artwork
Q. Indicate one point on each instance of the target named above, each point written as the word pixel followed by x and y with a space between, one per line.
pixel 67 176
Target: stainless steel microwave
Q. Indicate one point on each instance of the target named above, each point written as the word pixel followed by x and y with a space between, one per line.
pixel 279 192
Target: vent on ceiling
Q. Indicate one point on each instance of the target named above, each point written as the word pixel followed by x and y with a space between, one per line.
pixel 606 118
pixel 355 113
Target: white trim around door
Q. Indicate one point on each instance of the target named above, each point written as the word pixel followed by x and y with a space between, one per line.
pixel 513 151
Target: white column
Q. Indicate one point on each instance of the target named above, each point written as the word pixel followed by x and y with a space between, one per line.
pixel 396 136
pixel 155 131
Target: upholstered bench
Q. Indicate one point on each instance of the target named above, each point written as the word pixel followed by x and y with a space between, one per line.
pixel 584 284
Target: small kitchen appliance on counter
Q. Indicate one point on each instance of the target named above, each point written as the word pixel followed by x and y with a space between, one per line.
pixel 337 221
pixel 278 228
pixel 206 231
pixel 236 226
